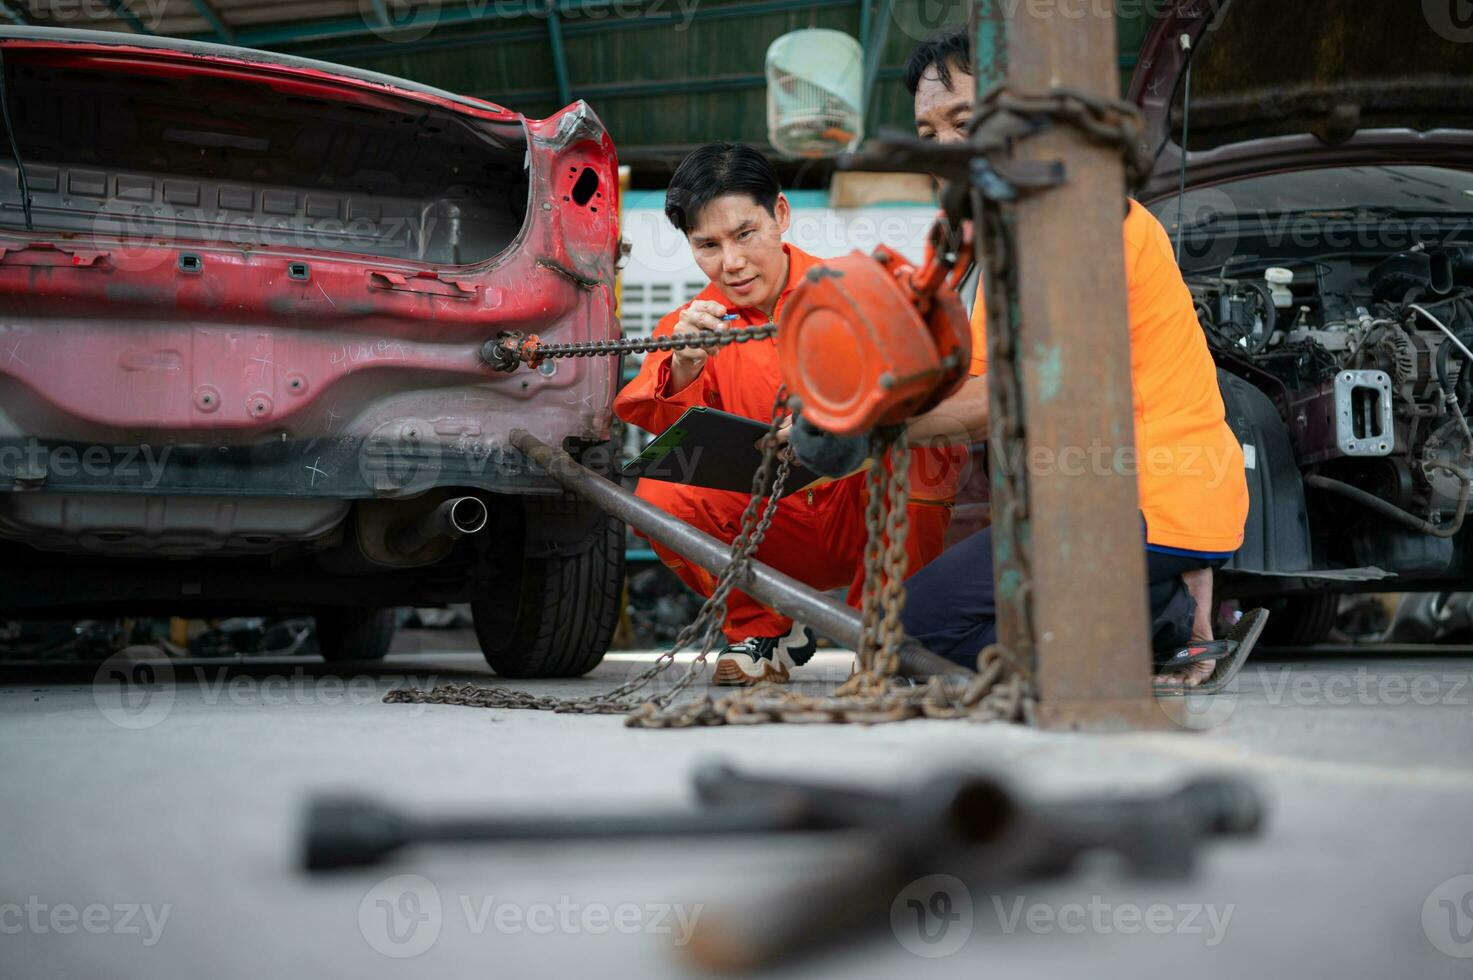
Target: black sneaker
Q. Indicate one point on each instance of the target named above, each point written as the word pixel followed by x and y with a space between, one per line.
pixel 765 658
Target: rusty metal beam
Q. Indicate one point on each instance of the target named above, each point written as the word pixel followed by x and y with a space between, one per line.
pixel 828 617
pixel 1081 536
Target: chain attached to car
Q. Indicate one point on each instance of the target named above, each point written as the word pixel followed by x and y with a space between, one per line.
pixel 511 349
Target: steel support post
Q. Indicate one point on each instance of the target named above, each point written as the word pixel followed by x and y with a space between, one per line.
pixel 1071 574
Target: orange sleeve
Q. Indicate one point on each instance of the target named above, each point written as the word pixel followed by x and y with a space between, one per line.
pixel 646 401
pixel 979 334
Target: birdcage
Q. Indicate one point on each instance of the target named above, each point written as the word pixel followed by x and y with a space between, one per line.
pixel 815 93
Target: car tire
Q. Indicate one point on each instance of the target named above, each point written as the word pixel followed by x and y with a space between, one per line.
pixel 346 634
pixel 554 617
pixel 1301 621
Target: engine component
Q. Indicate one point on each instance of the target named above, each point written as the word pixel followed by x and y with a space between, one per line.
pixel 1445 446
pixel 1404 552
pixel 1350 416
pixel 1396 276
pixel 1363 414
pixel 1279 280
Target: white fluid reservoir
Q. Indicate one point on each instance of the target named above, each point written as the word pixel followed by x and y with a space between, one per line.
pixel 815 93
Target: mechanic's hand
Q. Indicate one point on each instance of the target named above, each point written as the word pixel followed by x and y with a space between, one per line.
pixel 701 316
pixel 826 453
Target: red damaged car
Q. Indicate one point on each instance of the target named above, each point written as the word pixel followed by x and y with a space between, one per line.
pixel 243 298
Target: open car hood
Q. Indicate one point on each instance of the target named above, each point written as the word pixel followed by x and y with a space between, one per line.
pixel 1310 83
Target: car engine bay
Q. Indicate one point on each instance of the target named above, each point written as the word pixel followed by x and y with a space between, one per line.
pixel 1369 360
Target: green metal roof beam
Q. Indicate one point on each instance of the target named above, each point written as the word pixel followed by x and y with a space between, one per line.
pixel 223 31
pixel 627 90
pixel 120 9
pixel 873 52
pixel 381 12
pixel 559 56
pixel 327 31
pixel 16 13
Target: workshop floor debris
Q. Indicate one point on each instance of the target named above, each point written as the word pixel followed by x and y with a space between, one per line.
pixel 160 839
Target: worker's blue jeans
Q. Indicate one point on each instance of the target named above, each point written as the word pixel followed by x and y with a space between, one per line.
pixel 951 608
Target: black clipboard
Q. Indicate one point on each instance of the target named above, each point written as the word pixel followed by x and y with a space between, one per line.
pixel 709 448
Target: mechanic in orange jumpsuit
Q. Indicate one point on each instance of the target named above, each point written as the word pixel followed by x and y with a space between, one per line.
pixel 726 199
pixel 1189 466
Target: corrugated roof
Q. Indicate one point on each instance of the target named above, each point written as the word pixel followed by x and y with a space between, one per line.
pixel 663 74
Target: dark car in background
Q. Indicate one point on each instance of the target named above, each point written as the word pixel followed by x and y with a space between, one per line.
pixel 242 304
pixel 1326 234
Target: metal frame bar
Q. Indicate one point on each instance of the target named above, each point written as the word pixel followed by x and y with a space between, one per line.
pixel 874 52
pixel 570 29
pixel 627 90
pixel 1081 612
pixel 381 12
pixel 223 31
pixel 559 56
pixel 127 16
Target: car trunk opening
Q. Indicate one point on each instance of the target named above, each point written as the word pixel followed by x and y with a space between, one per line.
pixel 123 146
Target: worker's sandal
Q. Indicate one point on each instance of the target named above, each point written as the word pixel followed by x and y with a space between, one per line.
pixel 765 658
pixel 1229 653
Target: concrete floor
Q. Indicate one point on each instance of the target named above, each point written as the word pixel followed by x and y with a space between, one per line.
pixel 157 836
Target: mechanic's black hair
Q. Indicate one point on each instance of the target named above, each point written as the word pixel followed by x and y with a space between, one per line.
pixel 716 169
pixel 949 49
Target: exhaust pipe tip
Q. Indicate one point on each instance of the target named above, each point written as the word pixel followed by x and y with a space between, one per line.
pixel 465 515
pixel 454 518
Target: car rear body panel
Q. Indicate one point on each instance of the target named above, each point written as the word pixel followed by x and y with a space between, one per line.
pixel 270 329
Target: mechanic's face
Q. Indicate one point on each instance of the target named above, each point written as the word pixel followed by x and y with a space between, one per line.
pixel 942 113
pixel 739 246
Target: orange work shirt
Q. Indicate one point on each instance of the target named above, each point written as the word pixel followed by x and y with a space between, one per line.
pixel 1189 466
pixel 743 379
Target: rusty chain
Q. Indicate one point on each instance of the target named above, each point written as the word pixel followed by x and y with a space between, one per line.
pixel 511 349
pixel 756 521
